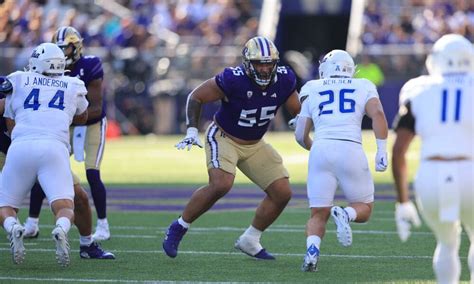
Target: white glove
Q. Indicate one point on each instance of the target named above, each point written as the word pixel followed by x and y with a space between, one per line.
pixel 292 123
pixel 192 138
pixel 381 161
pixel 405 216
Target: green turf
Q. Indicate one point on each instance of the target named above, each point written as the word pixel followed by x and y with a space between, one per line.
pixel 207 253
pixel 153 160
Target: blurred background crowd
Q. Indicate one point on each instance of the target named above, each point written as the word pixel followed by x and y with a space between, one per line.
pixel 156 51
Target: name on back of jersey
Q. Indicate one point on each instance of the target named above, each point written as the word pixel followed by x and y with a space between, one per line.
pixel 44 81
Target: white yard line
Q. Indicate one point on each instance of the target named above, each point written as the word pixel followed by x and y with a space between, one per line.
pixel 66 280
pixel 236 253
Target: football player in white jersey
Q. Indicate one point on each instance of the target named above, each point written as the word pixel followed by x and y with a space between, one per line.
pixel 335 105
pixel 439 108
pixel 38 112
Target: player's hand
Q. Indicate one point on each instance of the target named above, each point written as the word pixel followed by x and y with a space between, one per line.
pixel 192 138
pixel 381 162
pixel 406 216
pixel 292 123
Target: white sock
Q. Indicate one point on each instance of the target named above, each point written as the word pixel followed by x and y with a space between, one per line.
pixel 183 223
pixel 253 233
pixel 65 224
pixel 313 240
pixel 33 222
pixel 85 240
pixel 351 213
pixel 103 222
pixel 8 224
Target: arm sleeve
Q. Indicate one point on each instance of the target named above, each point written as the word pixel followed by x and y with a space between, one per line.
pixel 299 130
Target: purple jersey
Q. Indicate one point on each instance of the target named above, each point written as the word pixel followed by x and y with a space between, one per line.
pixel 247 110
pixel 89 68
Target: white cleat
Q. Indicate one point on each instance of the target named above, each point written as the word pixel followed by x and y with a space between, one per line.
pixel 62 246
pixel 102 233
pixel 31 231
pixel 343 228
pixel 16 244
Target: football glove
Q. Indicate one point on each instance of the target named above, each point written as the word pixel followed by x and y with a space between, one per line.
pixel 192 138
pixel 6 86
pixel 406 216
pixel 381 162
pixel 292 123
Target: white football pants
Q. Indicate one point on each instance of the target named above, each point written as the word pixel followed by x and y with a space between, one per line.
pixel 334 163
pixel 27 161
pixel 445 196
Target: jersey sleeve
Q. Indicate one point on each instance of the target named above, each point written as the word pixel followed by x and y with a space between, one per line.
pixel 305 109
pixel 81 92
pixel 96 70
pixel 404 118
pixel 8 112
pixel 371 90
pixel 226 78
pixel 304 92
pixel 289 77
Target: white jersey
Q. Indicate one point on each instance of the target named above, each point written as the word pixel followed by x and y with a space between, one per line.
pixel 337 106
pixel 443 108
pixel 43 107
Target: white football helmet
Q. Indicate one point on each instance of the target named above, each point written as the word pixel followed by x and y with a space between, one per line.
pixel 47 59
pixel 452 53
pixel 337 63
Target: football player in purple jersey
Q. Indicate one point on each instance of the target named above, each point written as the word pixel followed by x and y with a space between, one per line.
pixel 88 69
pixel 250 96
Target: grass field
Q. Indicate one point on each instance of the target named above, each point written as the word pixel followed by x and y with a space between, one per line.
pixel 154 160
pixel 151 168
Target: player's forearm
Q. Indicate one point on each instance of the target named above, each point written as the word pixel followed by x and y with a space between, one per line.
pixel 379 125
pixel 400 175
pixel 193 112
pixel 95 112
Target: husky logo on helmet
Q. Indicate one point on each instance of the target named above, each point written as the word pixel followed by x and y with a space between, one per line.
pixel 452 53
pixel 47 59
pixel 66 37
pixel 337 63
pixel 260 50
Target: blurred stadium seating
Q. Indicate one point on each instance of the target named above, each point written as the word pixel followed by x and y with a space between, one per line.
pixel 156 51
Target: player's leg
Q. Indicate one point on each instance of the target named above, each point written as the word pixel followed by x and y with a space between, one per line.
pixel 467 210
pixel 54 176
pixel 272 177
pixel 221 159
pixel 321 187
pixel 430 186
pixel 32 222
pixel 94 148
pixel 356 182
pixel 83 221
pixel 18 176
